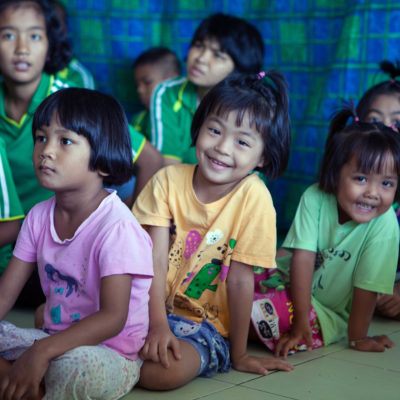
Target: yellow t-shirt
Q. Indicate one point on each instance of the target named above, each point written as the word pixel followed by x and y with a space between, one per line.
pixel 206 237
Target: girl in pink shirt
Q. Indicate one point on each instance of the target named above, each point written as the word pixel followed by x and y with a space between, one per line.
pixel 93 258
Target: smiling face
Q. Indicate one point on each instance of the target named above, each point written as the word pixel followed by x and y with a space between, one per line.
pixel 364 196
pixel 386 109
pixel 61 159
pixel 23 44
pixel 206 64
pixel 226 154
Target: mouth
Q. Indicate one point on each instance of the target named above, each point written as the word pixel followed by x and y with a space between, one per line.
pixel 45 169
pixel 22 65
pixel 195 71
pixel 365 207
pixel 217 163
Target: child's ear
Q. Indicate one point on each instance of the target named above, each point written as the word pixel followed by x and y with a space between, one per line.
pixel 262 162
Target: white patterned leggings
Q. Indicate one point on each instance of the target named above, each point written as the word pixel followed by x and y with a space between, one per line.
pixel 86 372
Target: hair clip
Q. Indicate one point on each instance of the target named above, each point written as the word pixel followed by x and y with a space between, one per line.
pixel 392 80
pixel 261 75
pixel 356 119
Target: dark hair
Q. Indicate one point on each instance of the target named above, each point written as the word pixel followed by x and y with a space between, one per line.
pixel 390 87
pixel 163 56
pixel 266 102
pixel 101 120
pixel 236 37
pixel 59 53
pixel 370 143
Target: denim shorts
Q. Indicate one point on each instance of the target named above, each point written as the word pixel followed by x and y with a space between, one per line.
pixel 212 347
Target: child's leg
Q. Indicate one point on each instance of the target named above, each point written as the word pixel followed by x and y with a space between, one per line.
pixel 154 376
pixel 4 367
pixel 91 372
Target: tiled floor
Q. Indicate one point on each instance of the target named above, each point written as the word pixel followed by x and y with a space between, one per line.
pixel 334 372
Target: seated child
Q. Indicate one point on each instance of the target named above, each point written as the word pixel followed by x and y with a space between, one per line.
pixel 381 103
pixel 150 69
pixel 220 45
pixel 93 258
pixel 201 295
pixel 343 246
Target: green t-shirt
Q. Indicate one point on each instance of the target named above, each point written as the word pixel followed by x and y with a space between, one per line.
pixel 348 255
pixel 172 107
pixel 141 122
pixel 77 75
pixel 10 206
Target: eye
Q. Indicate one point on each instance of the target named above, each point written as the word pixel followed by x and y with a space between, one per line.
pixel 243 143
pixel 36 36
pixel 8 36
pixel 66 141
pixel 40 139
pixel 373 120
pixel 198 45
pixel 388 184
pixel 214 131
pixel 360 178
pixel 219 55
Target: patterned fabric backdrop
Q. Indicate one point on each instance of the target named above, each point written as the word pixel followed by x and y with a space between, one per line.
pixel 328 50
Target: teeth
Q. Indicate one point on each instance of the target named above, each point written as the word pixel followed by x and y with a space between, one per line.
pixel 364 206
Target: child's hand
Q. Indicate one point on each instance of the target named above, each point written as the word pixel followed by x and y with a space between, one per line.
pixel 25 375
pixel 158 341
pixel 260 365
pixel 300 331
pixel 374 343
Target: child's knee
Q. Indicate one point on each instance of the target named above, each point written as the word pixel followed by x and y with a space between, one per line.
pixel 90 372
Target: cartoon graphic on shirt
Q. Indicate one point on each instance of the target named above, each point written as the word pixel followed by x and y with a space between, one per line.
pixel 72 284
pixel 203 279
pixel 55 314
pixel 193 241
pixel 183 328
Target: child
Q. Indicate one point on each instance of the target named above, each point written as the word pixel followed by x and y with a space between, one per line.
pixel 206 276
pixel 150 69
pixel 381 103
pixel 94 259
pixel 221 44
pixel 343 244
pixel 28 62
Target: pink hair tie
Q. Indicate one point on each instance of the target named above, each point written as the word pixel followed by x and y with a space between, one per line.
pixel 356 119
pixel 260 75
pixel 392 80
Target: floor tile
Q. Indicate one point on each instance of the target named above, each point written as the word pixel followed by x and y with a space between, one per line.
pixel 196 389
pixel 240 393
pixel 329 378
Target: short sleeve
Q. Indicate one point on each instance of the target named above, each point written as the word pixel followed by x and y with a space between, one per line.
pixel 10 205
pixel 125 249
pixel 303 233
pixel 374 273
pixel 256 238
pixel 151 207
pixel 25 247
pixel 138 142
pixel 164 119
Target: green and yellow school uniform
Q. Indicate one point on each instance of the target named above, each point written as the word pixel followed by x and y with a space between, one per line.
pixel 172 107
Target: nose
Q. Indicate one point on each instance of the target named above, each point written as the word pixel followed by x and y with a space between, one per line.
pixel 223 146
pixel 22 45
pixel 371 191
pixel 47 151
pixel 204 55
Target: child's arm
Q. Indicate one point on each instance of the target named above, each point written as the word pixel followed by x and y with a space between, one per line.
pixel 27 371
pixel 240 296
pixel 11 283
pixel 9 231
pixel 150 160
pixel 388 305
pixel 301 273
pixel 160 337
pixel 362 308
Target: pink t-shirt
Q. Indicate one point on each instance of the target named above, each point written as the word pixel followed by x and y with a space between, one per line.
pixel 109 242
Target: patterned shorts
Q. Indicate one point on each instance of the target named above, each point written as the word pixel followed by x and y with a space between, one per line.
pixel 86 372
pixel 212 347
pixel 272 312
